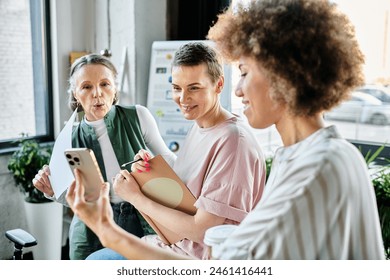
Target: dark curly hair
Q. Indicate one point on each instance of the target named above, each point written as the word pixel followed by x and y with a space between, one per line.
pixel 307 48
pixel 89 59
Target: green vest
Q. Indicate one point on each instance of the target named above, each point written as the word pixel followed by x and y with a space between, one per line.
pixel 125 134
pixel 123 130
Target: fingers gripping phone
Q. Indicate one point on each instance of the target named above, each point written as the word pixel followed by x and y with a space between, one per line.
pixel 84 160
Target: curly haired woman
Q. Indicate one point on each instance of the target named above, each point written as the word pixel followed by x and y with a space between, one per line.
pixel 298 59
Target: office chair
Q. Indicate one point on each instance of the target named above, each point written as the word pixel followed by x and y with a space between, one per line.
pixel 21 239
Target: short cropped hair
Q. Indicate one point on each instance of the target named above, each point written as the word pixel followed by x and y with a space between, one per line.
pixel 90 59
pixel 307 48
pixel 196 53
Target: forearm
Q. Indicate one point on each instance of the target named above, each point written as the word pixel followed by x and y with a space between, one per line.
pixel 132 247
pixel 175 220
pixel 187 226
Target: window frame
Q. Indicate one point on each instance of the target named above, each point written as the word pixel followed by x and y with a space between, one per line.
pixel 43 90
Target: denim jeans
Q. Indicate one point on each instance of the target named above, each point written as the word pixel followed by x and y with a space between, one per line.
pixel 105 254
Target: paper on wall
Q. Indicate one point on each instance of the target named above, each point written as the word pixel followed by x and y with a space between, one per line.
pixel 60 174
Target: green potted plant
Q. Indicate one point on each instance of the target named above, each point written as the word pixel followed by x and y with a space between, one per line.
pixel 381 184
pixel 25 164
pixel 380 175
pixel 43 216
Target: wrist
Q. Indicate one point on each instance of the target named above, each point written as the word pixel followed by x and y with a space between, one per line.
pixel 137 199
pixel 49 195
pixel 107 233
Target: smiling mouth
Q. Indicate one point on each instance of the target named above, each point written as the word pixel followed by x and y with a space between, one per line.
pixel 187 108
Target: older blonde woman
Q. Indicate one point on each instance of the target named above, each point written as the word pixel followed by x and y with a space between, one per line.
pixel 115 133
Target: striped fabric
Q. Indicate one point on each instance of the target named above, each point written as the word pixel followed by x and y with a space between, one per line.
pixel 318 203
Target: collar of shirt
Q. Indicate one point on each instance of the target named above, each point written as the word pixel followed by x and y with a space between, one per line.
pixel 291 152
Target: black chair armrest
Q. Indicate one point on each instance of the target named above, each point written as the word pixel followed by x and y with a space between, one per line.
pixel 21 238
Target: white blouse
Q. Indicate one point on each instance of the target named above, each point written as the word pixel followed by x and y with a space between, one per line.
pixel 318 203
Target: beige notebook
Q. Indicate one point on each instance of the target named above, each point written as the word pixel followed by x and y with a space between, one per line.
pixel 162 185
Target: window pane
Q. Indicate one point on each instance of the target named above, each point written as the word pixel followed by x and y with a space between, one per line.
pixel 368 120
pixel 25 96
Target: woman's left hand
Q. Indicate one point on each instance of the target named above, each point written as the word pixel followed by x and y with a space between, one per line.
pixel 127 187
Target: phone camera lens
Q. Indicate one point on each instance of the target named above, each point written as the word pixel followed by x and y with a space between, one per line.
pixel 68 156
pixel 71 162
pixel 76 159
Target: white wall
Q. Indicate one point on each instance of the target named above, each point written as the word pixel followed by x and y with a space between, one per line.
pixel 149 27
pixel 72 29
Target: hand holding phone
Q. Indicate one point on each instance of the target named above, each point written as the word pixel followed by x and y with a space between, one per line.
pixel 84 160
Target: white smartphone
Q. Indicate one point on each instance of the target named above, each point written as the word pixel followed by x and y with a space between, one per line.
pixel 84 159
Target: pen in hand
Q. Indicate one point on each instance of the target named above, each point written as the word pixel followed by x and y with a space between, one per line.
pixel 131 162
